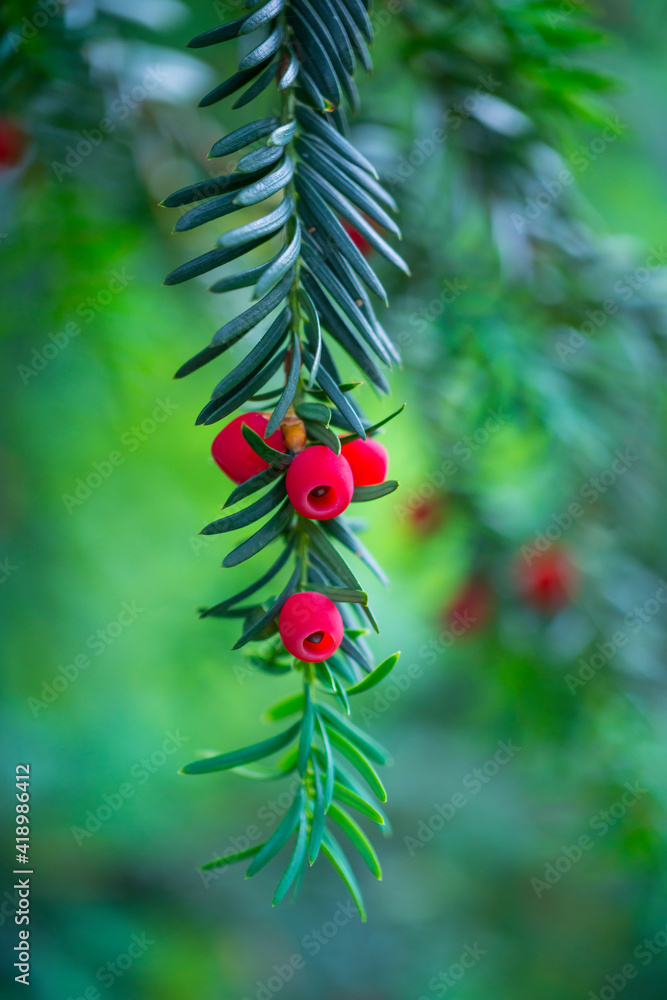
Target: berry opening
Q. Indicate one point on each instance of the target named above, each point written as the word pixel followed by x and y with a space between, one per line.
pixel 310 626
pixel 322 498
pixel 319 483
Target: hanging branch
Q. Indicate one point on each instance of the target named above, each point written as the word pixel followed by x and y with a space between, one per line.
pixel 291 458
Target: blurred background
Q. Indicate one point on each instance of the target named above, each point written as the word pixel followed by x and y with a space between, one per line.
pixel 524 144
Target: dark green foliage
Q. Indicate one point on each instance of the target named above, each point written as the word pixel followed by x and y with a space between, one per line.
pixel 318 279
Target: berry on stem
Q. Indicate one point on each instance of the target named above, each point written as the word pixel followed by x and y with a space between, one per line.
pixel 310 626
pixel 368 460
pixel 234 455
pixel 319 483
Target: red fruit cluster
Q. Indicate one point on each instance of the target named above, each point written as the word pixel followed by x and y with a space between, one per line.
pixel 548 581
pixel 234 455
pixel 310 626
pixel 12 143
pixel 319 484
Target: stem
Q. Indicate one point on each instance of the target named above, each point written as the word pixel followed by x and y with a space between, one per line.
pixel 303 552
pixel 286 116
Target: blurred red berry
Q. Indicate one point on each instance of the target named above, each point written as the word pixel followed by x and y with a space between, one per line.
pixel 360 242
pixel 548 581
pixel 310 626
pixel 426 515
pixel 13 142
pixel 368 460
pixel 472 607
pixel 234 455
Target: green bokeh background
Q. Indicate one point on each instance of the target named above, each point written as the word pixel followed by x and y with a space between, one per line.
pixel 72 565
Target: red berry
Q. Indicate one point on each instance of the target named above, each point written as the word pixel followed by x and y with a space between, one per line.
pixel 368 460
pixel 310 626
pixel 12 143
pixel 471 609
pixel 426 515
pixel 549 581
pixel 360 242
pixel 319 483
pixel 234 455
